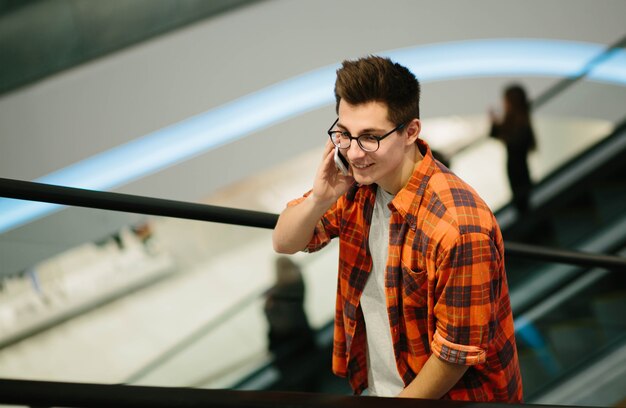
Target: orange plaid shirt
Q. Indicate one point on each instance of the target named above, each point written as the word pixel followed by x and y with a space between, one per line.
pixel 445 283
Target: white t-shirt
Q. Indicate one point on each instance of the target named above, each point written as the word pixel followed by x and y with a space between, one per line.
pixel 382 373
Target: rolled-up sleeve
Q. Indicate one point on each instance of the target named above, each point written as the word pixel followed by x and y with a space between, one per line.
pixel 468 284
pixel 326 229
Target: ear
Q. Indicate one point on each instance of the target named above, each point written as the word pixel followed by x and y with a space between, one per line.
pixel 413 129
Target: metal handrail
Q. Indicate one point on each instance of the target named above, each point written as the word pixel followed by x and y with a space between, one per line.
pixel 78 197
pixel 565 83
pixel 47 393
pixel 28 190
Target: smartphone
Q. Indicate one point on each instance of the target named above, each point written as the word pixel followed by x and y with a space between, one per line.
pixel 341 162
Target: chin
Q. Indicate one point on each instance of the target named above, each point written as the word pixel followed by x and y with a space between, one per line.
pixel 364 181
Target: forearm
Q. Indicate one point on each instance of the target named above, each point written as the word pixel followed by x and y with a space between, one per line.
pixel 435 379
pixel 296 225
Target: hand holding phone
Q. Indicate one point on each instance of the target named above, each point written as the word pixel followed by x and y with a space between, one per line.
pixel 341 162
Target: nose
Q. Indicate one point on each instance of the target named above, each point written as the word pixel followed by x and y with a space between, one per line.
pixel 354 151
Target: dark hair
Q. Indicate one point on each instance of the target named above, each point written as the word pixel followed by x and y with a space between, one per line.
pixel 519 107
pixel 378 79
pixel 517 115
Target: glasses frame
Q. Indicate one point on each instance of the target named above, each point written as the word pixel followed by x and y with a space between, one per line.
pixel 357 138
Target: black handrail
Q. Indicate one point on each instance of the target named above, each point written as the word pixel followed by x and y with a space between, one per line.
pixel 517 249
pixel 47 394
pixel 565 83
pixel 32 191
pixel 78 197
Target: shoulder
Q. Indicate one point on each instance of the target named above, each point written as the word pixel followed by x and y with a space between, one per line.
pixel 454 208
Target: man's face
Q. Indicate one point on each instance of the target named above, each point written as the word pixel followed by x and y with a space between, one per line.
pixel 382 166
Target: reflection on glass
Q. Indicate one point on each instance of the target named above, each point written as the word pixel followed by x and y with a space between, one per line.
pixel 163 302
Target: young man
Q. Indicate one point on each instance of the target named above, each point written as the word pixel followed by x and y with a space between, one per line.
pixel 422 300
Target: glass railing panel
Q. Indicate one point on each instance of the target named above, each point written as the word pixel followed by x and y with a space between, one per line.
pixel 566 332
pixel 69 263
pixel 231 344
pixel 162 302
pixel 574 120
pixel 587 99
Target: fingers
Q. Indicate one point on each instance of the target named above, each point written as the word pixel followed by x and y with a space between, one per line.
pixel 328 148
pixel 328 157
pixel 329 183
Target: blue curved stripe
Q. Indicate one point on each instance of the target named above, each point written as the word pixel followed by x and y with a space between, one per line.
pixel 267 107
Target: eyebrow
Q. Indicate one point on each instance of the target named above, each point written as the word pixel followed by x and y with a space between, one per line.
pixel 364 131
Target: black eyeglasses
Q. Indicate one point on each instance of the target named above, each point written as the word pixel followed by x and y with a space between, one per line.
pixel 367 142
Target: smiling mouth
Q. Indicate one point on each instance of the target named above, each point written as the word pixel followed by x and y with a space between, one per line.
pixel 362 166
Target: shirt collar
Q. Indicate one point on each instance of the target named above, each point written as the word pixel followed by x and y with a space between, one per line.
pixel 410 196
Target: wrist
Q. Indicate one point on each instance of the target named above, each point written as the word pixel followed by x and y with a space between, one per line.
pixel 320 203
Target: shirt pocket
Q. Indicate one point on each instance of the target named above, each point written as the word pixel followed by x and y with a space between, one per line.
pixel 414 287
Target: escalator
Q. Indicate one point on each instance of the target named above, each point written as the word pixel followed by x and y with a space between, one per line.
pixel 571 335
pixel 567 317
pixel 585 212
pixel 585 194
pixel 577 312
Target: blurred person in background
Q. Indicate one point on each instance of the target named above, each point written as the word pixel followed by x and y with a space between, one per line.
pixel 290 338
pixel 515 130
